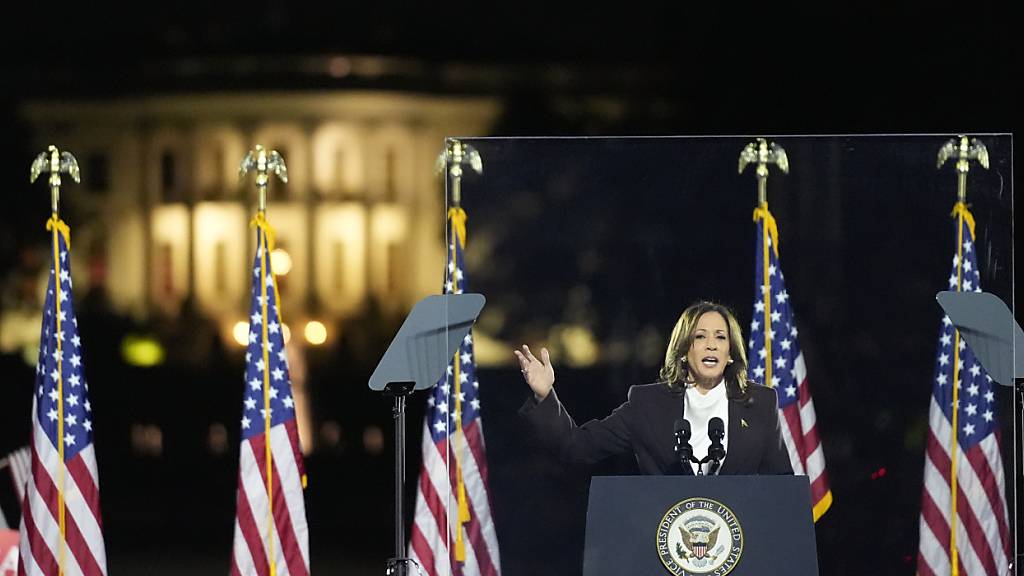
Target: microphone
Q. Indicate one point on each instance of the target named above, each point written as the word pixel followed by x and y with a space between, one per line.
pixel 683 448
pixel 716 452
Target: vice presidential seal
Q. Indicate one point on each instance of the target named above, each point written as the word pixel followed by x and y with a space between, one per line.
pixel 699 536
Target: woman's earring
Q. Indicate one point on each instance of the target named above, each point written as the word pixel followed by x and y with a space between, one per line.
pixel 687 377
pixel 730 361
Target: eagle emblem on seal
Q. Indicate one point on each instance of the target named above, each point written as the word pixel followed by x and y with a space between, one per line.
pixel 699 537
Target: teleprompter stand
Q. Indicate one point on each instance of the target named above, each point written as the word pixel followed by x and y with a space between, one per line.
pixel 415 360
pixel 988 327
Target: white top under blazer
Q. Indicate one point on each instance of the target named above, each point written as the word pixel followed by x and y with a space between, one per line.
pixel 699 409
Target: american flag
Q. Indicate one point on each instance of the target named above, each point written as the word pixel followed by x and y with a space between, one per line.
pixel 781 364
pixel 453 531
pixel 982 531
pixel 19 463
pixel 269 472
pixel 61 527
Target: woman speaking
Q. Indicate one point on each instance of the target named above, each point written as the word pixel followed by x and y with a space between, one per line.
pixel 704 378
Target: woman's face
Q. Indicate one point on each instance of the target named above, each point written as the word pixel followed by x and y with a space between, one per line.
pixel 709 353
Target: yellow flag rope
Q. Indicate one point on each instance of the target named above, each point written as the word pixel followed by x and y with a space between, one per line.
pixel 57 226
pixel 769 229
pixel 260 222
pixel 265 243
pixel 457 216
pixel 762 213
pixel 960 209
pixel 962 214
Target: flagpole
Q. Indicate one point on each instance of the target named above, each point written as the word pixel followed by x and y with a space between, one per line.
pixel 762 181
pixel 763 153
pixel 54 161
pixel 264 162
pixel 964 149
pixel 454 155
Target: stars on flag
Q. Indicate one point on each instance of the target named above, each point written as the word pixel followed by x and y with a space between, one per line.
pixel 973 384
pixel 59 369
pixel 266 358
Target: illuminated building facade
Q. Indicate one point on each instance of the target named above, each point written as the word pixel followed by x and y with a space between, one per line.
pixel 161 219
pixel 361 217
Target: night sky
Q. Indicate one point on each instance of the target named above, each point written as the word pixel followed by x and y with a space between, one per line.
pixel 615 234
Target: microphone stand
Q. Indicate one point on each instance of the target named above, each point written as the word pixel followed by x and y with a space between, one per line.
pixel 713 458
pixel 715 464
pixel 716 453
pixel 685 451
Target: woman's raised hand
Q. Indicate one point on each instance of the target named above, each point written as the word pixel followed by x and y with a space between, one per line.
pixel 538 373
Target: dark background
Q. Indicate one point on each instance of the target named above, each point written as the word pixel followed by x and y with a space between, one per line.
pixel 622 234
pixel 643 226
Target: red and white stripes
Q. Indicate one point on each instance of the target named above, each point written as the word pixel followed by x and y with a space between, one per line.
pixel 42 547
pixel 983 535
pixel 800 433
pixel 19 463
pixel 433 538
pixel 251 554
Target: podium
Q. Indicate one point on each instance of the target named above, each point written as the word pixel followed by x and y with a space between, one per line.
pixel 694 525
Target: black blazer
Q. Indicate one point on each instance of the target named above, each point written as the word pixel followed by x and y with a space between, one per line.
pixel 645 424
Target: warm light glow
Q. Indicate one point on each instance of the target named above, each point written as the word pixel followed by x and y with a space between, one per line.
pixel 19 331
pixel 339 67
pixel 147 439
pixel 316 332
pixel 217 439
pixel 373 439
pixel 338 163
pixel 219 248
pixel 490 352
pixel 330 434
pixel 30 355
pixel 287 332
pixel 241 333
pixel 579 345
pixel 389 228
pixel 280 261
pixel 144 351
pixel 339 262
pixel 168 231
